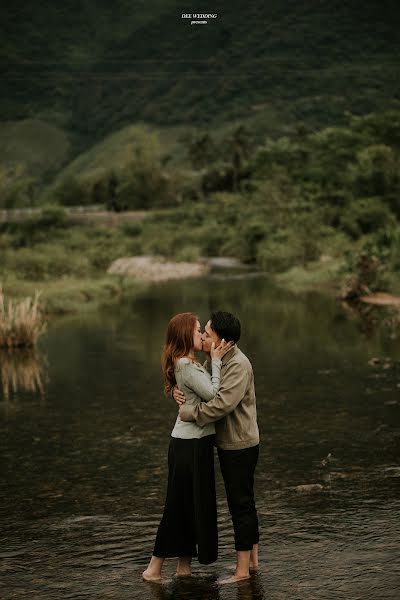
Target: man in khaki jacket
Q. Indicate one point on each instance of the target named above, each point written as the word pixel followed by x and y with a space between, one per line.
pixel 233 410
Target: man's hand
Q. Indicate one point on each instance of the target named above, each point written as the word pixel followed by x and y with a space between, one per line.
pixel 186 412
pixel 179 396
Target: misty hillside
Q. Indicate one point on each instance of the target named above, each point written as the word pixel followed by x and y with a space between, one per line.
pixel 92 67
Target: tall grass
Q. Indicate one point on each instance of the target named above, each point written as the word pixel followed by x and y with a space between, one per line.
pixel 21 371
pixel 21 323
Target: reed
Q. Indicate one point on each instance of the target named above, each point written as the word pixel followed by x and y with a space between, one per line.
pixel 21 371
pixel 21 322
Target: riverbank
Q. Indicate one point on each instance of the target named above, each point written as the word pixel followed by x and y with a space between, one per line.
pixel 324 275
pixel 71 295
pixel 327 275
pixel 129 277
pixel 125 278
pixel 68 262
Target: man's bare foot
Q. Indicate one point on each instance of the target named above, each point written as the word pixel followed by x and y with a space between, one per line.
pixel 252 568
pixel 233 579
pixel 149 575
pixel 183 568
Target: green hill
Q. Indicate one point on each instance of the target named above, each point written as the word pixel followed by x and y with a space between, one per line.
pixel 115 152
pixel 94 67
pixel 39 147
pixel 79 76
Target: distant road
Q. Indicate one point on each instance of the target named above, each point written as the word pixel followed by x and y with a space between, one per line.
pixel 80 214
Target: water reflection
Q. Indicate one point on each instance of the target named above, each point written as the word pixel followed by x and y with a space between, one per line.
pixel 185 588
pixel 374 318
pixel 206 588
pixel 84 474
pixel 251 589
pixel 22 370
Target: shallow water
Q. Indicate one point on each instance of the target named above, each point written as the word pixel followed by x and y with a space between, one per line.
pixel 84 461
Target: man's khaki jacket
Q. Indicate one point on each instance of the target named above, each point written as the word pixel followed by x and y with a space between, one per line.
pixel 233 409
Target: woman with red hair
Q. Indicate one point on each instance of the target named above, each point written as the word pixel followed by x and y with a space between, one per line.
pixel 188 526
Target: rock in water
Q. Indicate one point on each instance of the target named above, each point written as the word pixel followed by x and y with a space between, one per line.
pixel 153 268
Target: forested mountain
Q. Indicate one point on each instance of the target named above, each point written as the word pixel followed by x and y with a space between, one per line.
pixel 93 66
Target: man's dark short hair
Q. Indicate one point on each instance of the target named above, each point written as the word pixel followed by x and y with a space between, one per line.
pixel 225 325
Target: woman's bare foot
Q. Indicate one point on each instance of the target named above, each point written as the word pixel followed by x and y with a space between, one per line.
pixel 149 576
pixel 153 571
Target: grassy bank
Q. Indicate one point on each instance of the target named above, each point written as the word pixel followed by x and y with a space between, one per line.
pixel 69 295
pixel 67 261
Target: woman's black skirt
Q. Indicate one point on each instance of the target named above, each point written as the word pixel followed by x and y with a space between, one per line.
pixel 189 523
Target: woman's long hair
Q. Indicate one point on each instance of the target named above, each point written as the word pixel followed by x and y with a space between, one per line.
pixel 178 343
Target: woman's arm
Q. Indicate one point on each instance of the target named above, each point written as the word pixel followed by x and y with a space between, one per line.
pixel 198 380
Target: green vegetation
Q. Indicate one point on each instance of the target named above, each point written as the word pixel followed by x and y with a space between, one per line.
pixel 21 323
pixel 272 134
pixel 328 198
pixel 42 148
pixel 67 263
pixel 96 68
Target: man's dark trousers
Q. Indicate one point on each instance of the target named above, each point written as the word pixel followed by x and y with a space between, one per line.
pixel 237 468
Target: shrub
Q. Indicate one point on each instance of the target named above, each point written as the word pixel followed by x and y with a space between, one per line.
pixel 21 323
pixel 365 216
pixel 202 149
pixel 385 245
pixel 223 177
pixel 189 253
pixel 103 188
pixel 253 233
pixel 47 261
pixel 132 228
pixel 70 192
pixel 394 257
pixel 375 172
pixel 165 242
pixel 276 257
pixel 144 183
pixel 212 238
pixel 17 188
pixel 25 233
pixel 52 216
pixel 144 188
pixel 367 275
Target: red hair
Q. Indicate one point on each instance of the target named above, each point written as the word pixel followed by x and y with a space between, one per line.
pixel 178 343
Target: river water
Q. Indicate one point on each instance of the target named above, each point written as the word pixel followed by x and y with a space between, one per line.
pixel 84 458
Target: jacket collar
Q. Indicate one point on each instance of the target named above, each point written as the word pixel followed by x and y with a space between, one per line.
pixel 229 355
